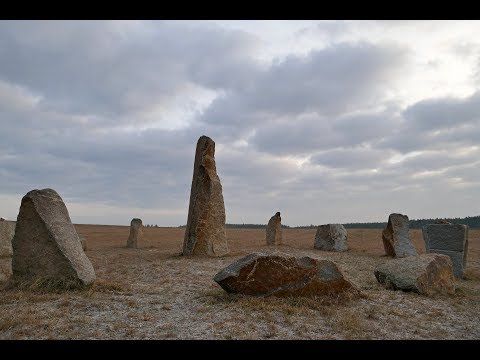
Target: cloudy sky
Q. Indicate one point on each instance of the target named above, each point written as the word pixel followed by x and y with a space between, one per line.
pixel 324 121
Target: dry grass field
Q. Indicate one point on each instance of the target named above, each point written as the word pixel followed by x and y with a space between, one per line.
pixel 154 293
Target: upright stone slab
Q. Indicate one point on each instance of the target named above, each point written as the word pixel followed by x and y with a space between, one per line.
pixel 7 230
pixel 46 245
pixel 451 240
pixel 205 231
pixel 274 230
pixel 396 239
pixel 136 233
pixel 331 237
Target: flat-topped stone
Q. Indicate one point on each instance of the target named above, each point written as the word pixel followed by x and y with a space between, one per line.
pixel 448 239
pixel 331 237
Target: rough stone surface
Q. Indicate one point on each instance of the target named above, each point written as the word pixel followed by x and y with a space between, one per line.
pixel 274 230
pixel 7 230
pixel 331 237
pixel 282 275
pixel 205 231
pixel 83 242
pixel 136 233
pixel 396 239
pixel 426 274
pixel 46 245
pixel 451 240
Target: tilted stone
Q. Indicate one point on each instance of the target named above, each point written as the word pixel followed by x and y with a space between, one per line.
pixel 426 274
pixel 451 240
pixel 274 230
pixel 46 245
pixel 331 237
pixel 205 231
pixel 282 275
pixel 136 233
pixel 396 238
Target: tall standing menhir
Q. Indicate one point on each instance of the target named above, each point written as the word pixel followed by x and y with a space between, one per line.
pixel 205 232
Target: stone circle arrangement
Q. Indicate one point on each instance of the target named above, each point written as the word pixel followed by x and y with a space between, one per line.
pixel 43 246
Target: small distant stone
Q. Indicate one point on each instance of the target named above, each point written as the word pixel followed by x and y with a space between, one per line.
pixel 282 275
pixel 396 237
pixel 83 242
pixel 136 233
pixel 425 274
pixel 331 237
pixel 274 230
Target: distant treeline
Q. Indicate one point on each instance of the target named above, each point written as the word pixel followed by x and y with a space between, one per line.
pixel 471 221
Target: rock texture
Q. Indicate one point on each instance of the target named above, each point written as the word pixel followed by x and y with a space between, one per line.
pixel 396 239
pixel 274 230
pixel 451 240
pixel 282 275
pixel 426 274
pixel 331 237
pixel 205 231
pixel 136 233
pixel 7 230
pixel 46 245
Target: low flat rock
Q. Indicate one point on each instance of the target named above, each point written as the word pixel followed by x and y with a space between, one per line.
pixel 331 237
pixel 425 274
pixel 46 245
pixel 396 237
pixel 282 275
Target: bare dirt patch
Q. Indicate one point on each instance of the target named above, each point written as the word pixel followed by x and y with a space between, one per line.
pixel 154 293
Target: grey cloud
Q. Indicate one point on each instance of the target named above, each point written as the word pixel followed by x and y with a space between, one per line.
pixel 312 133
pixel 91 67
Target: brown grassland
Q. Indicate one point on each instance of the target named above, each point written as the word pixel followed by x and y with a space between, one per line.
pixel 154 293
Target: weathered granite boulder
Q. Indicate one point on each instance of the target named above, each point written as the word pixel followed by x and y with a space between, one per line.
pixel 46 245
pixel 7 230
pixel 331 237
pixel 205 231
pixel 451 240
pixel 274 230
pixel 426 274
pixel 136 233
pixel 282 275
pixel 396 239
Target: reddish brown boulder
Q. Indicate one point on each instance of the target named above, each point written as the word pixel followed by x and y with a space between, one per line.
pixel 282 275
